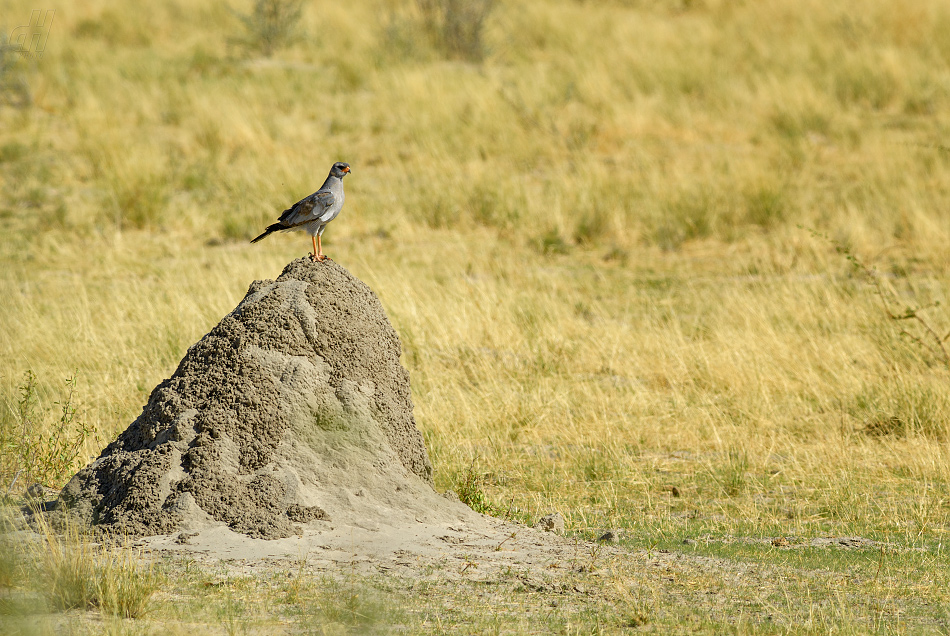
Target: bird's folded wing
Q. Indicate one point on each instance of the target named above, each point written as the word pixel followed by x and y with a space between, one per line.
pixel 312 208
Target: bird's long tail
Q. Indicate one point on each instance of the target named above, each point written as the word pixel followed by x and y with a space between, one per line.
pixel 270 230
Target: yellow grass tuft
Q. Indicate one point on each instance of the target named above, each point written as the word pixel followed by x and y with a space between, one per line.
pixel 75 572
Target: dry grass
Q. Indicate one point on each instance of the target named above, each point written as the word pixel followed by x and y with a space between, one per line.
pixel 589 243
pixel 73 572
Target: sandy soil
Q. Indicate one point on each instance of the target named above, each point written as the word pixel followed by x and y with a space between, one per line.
pixel 474 547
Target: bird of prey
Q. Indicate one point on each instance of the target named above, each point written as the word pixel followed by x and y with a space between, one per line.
pixel 311 214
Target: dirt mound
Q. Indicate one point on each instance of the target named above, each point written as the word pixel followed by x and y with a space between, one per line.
pixel 293 409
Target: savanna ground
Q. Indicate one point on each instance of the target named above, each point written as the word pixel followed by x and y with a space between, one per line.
pixel 613 237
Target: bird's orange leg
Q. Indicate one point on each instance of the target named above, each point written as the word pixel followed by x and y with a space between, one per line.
pixel 313 256
pixel 320 256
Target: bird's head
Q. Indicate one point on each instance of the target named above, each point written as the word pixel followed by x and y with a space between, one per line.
pixel 339 170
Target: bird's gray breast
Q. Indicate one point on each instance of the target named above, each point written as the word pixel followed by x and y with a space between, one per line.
pixel 338 198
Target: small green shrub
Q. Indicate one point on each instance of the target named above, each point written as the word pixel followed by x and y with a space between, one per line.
pixel 468 486
pixel 592 226
pixel 33 450
pixel 494 205
pixel 551 242
pixel 765 206
pixel 596 466
pixel 13 151
pixel 271 25
pixel 139 201
pixel 457 26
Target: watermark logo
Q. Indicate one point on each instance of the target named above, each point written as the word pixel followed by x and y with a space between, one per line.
pixel 30 39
